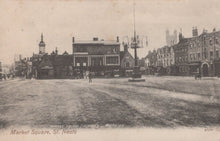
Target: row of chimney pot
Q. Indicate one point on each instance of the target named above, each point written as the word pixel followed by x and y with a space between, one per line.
pixel 96 39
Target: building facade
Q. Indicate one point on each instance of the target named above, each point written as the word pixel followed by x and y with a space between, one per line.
pixel 181 56
pixel 165 59
pixel 203 53
pixel 198 54
pixel 96 55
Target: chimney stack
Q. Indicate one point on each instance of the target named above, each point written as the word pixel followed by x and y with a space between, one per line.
pixel 95 39
pixel 125 47
pixel 56 51
pixel 73 39
pixel 117 39
pixel 214 30
pixel 180 35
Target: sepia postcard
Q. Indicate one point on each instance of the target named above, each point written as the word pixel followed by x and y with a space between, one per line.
pixel 85 70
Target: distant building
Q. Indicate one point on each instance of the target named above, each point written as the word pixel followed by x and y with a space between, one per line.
pixel 197 54
pixel 54 65
pixel 151 61
pixel 21 67
pixel 166 59
pixel 171 39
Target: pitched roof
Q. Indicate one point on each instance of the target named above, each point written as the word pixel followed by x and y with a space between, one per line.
pixel 45 63
pixel 101 42
pixel 122 54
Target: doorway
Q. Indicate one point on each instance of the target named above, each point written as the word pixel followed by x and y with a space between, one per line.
pixel 205 69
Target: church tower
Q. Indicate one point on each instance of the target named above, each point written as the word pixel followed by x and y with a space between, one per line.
pixel 42 45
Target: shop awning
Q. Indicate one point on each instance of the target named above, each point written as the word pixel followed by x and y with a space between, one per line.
pixel 47 68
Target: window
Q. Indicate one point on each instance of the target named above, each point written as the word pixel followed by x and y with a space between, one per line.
pixel 79 61
pixel 210 41
pixel 198 55
pixel 216 41
pixel 217 54
pixel 128 64
pixel 204 41
pixel 81 49
pixel 114 50
pixel 205 55
pixel 112 60
pixel 97 61
pixel 211 53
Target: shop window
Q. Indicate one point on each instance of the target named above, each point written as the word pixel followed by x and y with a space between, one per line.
pixel 112 60
pixel 97 61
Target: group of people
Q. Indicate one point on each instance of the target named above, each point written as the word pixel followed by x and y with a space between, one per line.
pixel 6 76
pixel 87 74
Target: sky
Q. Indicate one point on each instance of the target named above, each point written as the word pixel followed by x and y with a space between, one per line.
pixel 23 21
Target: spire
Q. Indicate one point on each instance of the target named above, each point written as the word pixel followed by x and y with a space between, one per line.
pixel 42 37
pixel 42 45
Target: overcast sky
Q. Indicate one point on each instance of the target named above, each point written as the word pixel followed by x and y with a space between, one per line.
pixel 23 21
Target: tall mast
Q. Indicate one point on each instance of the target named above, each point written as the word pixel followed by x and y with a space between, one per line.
pixel 135 40
pixel 134 21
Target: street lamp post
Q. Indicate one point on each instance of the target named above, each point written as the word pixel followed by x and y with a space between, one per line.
pixel 135 43
pixel 214 54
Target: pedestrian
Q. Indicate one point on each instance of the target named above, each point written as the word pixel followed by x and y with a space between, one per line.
pixel 90 77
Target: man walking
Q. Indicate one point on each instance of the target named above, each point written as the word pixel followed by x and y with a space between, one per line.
pixel 90 77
